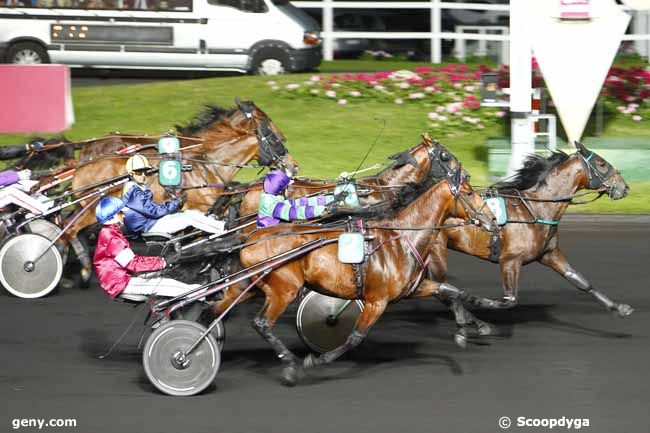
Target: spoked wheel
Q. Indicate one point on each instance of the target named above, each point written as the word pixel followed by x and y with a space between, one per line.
pixel 325 323
pixel 170 371
pixel 28 268
pixel 49 230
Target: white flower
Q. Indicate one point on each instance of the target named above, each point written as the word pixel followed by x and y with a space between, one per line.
pixel 399 101
pixel 404 85
pixel 271 83
pixel 404 75
pixel 500 114
pixel 330 94
pixel 315 78
pixel 342 101
pixel 620 108
pixel 454 107
pixel 309 83
pixel 469 88
pixel 457 85
pixel 275 88
pixel 314 91
pixel 416 95
pixel 480 126
pixel 429 89
pixel 292 86
pixel 440 109
pixel 355 93
pixel 636 118
pixel 379 87
pixel 443 118
pixel 433 115
pixel 336 85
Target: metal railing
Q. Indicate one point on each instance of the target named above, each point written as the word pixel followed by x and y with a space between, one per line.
pixel 436 34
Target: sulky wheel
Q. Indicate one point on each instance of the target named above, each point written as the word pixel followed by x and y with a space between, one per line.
pixel 28 268
pixel 49 230
pixel 324 323
pixel 165 365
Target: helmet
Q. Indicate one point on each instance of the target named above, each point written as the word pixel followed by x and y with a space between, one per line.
pixel 107 208
pixel 275 182
pixel 136 162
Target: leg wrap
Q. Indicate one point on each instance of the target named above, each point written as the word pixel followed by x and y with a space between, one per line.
pixel 81 252
pixel 261 325
pixel 353 341
pixel 604 300
pixel 577 279
pixel 450 291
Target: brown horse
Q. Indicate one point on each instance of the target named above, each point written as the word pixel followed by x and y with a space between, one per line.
pixel 535 199
pixel 229 140
pixel 392 271
pixel 410 166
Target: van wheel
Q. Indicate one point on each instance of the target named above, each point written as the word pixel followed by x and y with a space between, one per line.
pixel 27 53
pixel 272 62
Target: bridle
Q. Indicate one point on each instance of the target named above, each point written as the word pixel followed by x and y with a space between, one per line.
pixel 598 179
pixel 270 147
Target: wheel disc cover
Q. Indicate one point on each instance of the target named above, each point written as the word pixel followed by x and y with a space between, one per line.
pixel 49 230
pixel 170 338
pixel 27 57
pixel 271 67
pixel 313 328
pixel 17 251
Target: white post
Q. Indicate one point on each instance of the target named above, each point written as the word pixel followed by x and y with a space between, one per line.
pixel 436 28
pixel 520 84
pixel 328 29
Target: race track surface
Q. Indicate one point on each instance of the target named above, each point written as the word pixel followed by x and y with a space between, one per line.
pixel 559 354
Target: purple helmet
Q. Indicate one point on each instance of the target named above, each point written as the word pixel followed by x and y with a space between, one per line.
pixel 275 182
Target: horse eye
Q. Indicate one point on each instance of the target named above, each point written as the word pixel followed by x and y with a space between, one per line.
pixel 444 156
pixel 600 162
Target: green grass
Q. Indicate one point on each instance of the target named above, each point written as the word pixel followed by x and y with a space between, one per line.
pixel 324 137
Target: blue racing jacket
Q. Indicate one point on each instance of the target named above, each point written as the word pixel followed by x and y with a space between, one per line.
pixel 141 211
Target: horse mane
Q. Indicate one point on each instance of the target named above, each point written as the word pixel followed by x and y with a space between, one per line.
pixel 534 172
pixel 47 160
pixel 205 119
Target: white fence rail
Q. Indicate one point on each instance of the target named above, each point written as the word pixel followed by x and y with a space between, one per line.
pixel 642 26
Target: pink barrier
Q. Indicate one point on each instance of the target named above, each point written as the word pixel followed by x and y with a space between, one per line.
pixel 35 98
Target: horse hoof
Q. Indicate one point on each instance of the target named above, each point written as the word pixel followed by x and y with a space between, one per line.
pixel 461 338
pixel 290 375
pixel 624 310
pixel 309 362
pixel 484 329
pixel 66 283
pixel 85 276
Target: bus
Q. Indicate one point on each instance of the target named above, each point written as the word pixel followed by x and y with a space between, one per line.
pixel 265 37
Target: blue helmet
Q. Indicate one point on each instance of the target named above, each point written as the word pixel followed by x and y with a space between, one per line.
pixel 107 208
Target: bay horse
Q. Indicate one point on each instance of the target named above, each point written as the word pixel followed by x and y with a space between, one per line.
pixel 395 268
pixel 230 139
pixel 536 199
pixel 428 159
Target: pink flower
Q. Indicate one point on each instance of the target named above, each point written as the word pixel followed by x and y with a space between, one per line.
pixel 342 101
pixel 430 89
pixel 637 118
pixel 500 114
pixel 316 78
pixel 423 69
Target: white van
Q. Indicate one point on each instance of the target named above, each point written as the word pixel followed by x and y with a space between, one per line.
pixel 265 37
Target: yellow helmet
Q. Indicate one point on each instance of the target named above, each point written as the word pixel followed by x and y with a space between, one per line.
pixel 135 163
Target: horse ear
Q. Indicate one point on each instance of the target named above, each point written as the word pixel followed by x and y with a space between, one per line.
pixel 426 138
pixel 581 147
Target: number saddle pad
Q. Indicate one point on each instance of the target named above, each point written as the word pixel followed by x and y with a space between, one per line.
pixel 169 172
pixel 352 199
pixel 351 248
pixel 498 207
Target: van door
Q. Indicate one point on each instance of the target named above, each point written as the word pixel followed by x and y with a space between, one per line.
pixel 233 27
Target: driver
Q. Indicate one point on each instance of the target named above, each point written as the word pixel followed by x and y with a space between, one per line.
pixel 142 214
pixel 16 185
pixel 115 262
pixel 274 207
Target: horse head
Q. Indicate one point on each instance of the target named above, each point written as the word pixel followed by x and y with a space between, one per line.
pixel 271 149
pixel 600 175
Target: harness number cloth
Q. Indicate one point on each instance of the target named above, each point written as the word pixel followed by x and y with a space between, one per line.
pixel 351 248
pixel 497 206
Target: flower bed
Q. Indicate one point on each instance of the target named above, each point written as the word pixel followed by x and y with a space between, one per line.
pixel 450 95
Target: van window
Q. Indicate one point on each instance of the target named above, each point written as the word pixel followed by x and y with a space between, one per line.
pixel 254 6
pixel 141 5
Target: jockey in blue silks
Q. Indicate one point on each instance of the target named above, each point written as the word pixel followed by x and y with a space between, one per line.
pixel 274 207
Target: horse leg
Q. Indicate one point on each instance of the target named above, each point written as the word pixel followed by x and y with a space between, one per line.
pixel 273 308
pixel 509 273
pixel 438 272
pixel 372 310
pixel 556 260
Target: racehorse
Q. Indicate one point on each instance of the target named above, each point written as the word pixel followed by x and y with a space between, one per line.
pixel 230 139
pixel 536 199
pixel 426 159
pixel 394 269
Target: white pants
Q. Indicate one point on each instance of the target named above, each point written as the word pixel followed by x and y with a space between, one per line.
pixel 165 287
pixel 13 195
pixel 176 222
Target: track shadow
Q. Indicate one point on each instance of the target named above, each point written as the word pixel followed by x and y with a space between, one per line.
pixel 96 342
